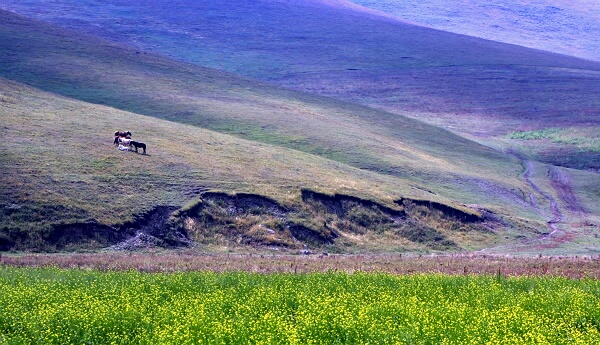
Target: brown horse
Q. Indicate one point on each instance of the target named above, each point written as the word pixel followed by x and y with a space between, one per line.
pixel 126 135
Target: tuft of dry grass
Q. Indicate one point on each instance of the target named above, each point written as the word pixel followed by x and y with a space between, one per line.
pixel 576 267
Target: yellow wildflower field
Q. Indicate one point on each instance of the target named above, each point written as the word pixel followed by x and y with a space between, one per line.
pixel 58 306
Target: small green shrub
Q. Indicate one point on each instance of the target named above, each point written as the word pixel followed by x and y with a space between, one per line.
pixel 547 133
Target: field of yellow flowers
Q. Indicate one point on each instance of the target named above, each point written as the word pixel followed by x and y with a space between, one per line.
pixel 75 306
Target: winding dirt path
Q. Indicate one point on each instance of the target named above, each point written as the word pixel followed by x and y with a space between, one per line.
pixel 561 182
pixel 556 235
pixel 555 214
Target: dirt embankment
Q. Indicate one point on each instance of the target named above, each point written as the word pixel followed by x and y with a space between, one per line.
pixel 147 229
pixel 334 223
pixel 324 222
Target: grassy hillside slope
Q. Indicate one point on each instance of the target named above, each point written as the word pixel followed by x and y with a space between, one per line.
pixel 64 185
pixel 480 89
pixel 59 166
pixel 97 71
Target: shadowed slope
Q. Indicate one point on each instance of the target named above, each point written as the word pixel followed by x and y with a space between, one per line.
pixel 337 50
pixel 569 27
pixel 474 87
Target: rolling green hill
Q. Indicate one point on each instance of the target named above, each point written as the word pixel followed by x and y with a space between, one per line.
pixel 323 173
pixel 96 71
pixel 480 89
pixel 65 186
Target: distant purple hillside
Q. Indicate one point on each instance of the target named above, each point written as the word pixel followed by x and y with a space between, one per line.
pixel 569 27
pixel 471 85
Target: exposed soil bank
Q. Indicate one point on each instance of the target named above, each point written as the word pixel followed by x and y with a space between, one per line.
pixel 72 235
pixel 333 223
pixel 445 209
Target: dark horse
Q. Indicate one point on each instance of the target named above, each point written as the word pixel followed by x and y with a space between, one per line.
pixel 138 145
pixel 118 135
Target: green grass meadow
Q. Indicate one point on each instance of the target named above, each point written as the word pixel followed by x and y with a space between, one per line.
pixel 56 306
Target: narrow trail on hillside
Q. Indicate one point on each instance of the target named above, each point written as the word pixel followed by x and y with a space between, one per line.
pixel 556 235
pixel 556 215
pixel 561 183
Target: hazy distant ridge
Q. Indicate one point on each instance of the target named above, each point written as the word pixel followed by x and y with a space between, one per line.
pixel 570 27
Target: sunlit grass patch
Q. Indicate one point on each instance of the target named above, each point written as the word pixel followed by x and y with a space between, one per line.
pixel 532 135
pixel 582 138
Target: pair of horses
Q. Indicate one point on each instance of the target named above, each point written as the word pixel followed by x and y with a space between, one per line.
pixel 124 138
pixel 118 135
